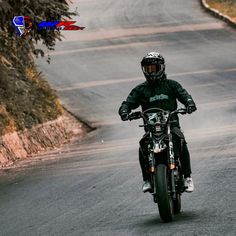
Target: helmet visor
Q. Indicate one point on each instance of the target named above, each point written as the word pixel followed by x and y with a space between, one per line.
pixel 152 69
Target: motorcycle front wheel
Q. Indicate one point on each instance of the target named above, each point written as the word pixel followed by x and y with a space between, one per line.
pixel 177 204
pixel 164 200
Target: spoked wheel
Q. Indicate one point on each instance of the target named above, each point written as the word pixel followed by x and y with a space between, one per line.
pixel 164 200
pixel 177 204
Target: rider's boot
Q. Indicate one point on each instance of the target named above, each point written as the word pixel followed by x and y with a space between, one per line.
pixel 147 186
pixel 188 183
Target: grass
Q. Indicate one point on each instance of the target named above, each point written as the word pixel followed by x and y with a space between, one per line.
pixel 227 7
pixel 26 99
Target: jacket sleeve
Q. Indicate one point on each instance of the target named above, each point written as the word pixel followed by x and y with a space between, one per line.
pixel 181 94
pixel 132 101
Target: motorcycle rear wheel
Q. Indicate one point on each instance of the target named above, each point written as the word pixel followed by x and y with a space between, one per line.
pixel 164 200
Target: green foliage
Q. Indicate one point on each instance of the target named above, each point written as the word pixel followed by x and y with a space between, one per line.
pixel 26 99
pixel 16 49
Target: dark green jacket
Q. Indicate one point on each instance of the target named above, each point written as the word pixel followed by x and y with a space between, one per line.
pixel 162 95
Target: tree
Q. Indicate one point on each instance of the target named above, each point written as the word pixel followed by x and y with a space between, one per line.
pixel 26 99
pixel 15 51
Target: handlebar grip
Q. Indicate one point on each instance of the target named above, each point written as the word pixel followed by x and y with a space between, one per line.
pixel 135 115
pixel 182 111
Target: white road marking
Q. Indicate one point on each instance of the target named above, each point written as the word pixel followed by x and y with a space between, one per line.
pixel 128 32
pixel 96 83
pixel 109 34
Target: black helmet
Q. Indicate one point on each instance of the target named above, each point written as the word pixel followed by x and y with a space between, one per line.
pixel 153 66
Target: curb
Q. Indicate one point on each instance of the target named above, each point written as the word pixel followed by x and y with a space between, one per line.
pixel 84 122
pixel 39 139
pixel 218 14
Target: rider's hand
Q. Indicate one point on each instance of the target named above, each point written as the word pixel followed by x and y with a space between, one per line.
pixel 124 116
pixel 191 107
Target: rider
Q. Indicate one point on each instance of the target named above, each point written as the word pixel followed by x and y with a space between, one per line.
pixel 159 92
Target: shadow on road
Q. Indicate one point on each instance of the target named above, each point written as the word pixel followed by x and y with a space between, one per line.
pixel 184 217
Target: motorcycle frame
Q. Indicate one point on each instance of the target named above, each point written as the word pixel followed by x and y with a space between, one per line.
pixel 173 166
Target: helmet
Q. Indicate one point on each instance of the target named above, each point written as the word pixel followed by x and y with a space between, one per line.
pixel 153 66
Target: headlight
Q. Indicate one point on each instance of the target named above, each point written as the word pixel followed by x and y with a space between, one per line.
pixel 158 128
pixel 159 147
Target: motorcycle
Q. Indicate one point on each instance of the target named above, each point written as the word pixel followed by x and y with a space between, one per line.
pixel 164 168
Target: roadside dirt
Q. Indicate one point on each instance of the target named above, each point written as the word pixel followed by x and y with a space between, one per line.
pixel 227 7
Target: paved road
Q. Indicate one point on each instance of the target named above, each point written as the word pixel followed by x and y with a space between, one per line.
pixel 94 188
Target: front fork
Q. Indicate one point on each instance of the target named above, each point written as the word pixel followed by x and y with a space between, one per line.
pixel 171 168
pixel 152 170
pixel 171 164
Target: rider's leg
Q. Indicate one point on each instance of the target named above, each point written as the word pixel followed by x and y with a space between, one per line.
pixel 143 165
pixel 185 161
pixel 181 151
pixel 146 177
pixel 186 167
pixel 143 160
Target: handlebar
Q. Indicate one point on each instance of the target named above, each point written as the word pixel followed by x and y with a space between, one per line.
pixel 181 111
pixel 138 114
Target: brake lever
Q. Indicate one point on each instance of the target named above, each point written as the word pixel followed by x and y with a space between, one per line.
pixel 142 125
pixel 182 111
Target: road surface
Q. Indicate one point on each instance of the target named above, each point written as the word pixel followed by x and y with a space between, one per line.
pixel 93 186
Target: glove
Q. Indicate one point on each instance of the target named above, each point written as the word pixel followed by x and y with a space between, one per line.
pixel 124 116
pixel 191 107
